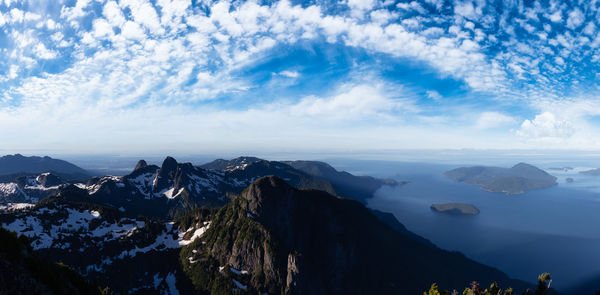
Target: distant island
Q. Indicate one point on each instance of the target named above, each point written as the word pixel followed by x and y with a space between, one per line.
pixel 455 208
pixel 593 172
pixel 565 169
pixel 514 180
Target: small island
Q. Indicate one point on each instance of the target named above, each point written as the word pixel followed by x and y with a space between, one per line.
pixel 455 209
pixel 514 180
pixel 593 172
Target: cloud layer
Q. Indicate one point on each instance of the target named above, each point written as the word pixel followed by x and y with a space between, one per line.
pixel 100 75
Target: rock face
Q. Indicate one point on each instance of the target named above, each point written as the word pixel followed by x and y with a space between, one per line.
pixel 455 208
pixel 514 180
pixel 281 240
pixel 141 164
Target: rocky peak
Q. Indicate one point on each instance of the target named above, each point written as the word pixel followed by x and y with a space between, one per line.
pixel 166 173
pixel 49 180
pixel 266 194
pixel 141 164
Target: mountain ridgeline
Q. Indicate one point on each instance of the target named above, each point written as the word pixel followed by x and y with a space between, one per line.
pixel 514 180
pixel 19 165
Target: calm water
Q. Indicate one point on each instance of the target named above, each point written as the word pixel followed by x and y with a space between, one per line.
pixel 548 230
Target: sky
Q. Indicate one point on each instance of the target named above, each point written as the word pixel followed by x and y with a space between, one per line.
pixel 140 76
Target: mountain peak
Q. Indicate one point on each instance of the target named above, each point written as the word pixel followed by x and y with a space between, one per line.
pixel 141 164
pixel 262 193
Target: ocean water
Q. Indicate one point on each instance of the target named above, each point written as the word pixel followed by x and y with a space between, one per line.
pixel 553 230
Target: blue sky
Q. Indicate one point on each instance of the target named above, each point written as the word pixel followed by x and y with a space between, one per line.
pixel 353 75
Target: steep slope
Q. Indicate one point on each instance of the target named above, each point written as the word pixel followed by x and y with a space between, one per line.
pixel 279 239
pixel 12 164
pixel 22 272
pixel 514 180
pixel 359 188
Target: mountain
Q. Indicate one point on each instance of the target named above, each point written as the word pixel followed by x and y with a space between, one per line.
pixel 281 240
pixel 127 255
pixel 359 188
pixel 29 189
pixel 224 165
pixel 514 180
pixel 15 164
pixel 22 272
pixel 174 188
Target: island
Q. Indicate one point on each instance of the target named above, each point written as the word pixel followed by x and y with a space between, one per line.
pixel 569 179
pixel 514 180
pixel 593 172
pixel 455 209
pixel 565 169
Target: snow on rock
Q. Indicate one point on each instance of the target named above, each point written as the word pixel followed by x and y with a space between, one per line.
pixel 15 206
pixel 197 233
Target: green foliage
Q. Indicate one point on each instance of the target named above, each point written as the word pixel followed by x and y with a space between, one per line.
pixel 542 289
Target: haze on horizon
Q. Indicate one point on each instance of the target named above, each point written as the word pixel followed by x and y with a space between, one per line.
pixel 143 76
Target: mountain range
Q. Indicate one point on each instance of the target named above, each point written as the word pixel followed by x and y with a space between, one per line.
pixel 241 226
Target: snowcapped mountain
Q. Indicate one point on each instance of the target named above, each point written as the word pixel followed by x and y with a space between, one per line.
pixel 174 188
pixel 29 189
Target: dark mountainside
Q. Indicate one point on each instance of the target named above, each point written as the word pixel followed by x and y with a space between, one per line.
pixel 279 239
pixel 22 272
pixel 514 180
pixel 359 188
pixel 19 164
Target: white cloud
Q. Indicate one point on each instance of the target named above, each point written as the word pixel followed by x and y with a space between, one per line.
pixel 546 127
pixel 144 14
pixel 433 94
pixel 488 120
pixel 356 103
pixel 132 30
pixel 576 18
pixel 556 16
pixel 289 74
pixel 113 14
pixel 44 53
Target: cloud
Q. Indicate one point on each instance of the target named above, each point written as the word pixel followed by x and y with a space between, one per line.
pixel 489 120
pixel 433 94
pixel 576 18
pixel 546 127
pixel 289 74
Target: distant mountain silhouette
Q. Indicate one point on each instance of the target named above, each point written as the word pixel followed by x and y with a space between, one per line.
pixel 359 188
pixel 19 164
pixel 514 180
